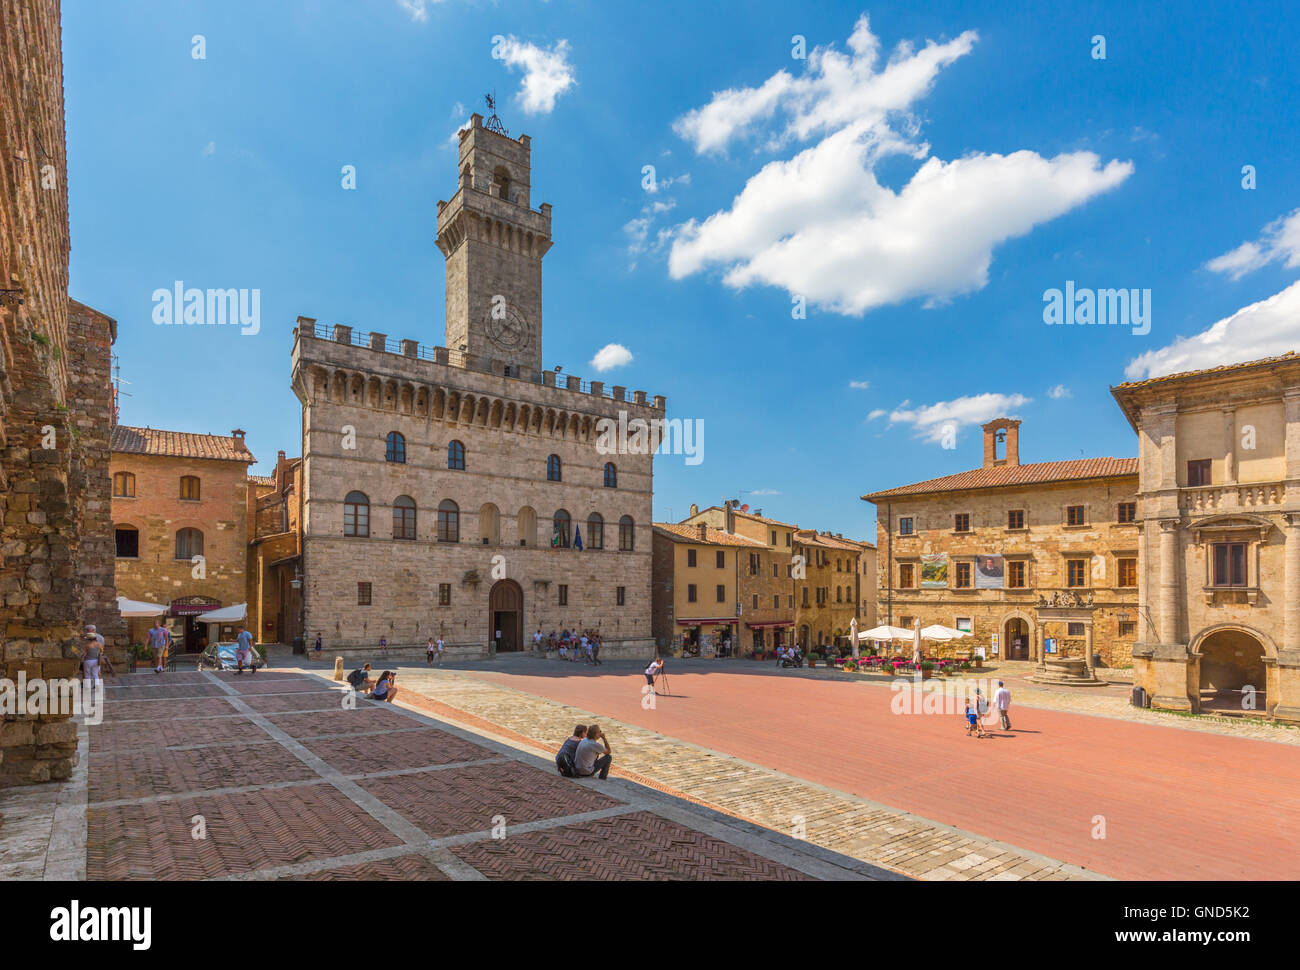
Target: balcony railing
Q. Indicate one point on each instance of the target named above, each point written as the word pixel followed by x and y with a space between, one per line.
pixel 1229 498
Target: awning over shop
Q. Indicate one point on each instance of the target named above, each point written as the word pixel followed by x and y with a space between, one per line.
pixel 769 623
pixel 132 608
pixel 723 621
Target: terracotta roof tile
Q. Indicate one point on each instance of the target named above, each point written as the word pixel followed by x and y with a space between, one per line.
pixel 1002 476
pixel 1289 355
pixel 179 444
pixel 680 531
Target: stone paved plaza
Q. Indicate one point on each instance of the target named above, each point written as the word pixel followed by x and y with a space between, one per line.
pixel 204 776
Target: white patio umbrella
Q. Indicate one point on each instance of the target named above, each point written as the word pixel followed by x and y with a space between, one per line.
pixel 916 640
pixel 229 614
pixel 942 634
pixel 853 636
pixel 886 633
pixel 134 608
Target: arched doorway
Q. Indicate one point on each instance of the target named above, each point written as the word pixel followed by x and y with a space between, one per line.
pixel 1015 639
pixel 803 638
pixel 1231 662
pixel 506 615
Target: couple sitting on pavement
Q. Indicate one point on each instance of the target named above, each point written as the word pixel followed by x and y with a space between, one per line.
pixel 585 754
pixel 380 690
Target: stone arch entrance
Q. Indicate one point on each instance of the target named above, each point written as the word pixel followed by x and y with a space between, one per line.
pixel 506 615
pixel 1015 638
pixel 1231 661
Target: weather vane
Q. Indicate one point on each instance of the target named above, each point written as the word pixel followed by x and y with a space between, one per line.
pixel 493 123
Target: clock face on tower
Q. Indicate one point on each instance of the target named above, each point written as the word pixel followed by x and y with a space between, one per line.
pixel 507 328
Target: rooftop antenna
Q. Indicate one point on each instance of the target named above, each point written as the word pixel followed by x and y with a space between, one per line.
pixel 493 123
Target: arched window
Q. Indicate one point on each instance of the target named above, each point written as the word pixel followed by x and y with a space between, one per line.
pixel 404 518
pixel 123 485
pixel 626 534
pixel 553 469
pixel 356 515
pixel 839 594
pixel 448 521
pixel 561 531
pixel 526 525
pixel 189 488
pixel 127 542
pixel 489 524
pixel 501 178
pixel 189 543
pixel 456 456
pixel 595 531
pixel 611 475
pixel 395 448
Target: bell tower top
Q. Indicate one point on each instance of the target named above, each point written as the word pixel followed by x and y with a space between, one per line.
pixel 494 241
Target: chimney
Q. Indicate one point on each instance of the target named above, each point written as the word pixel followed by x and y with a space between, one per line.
pixel 1006 430
pixel 237 433
pixel 695 509
pixel 704 532
pixel 731 516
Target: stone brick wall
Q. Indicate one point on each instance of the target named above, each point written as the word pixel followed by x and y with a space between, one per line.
pixel 55 404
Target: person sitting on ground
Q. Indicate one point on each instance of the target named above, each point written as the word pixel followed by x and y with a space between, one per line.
pixel 564 758
pixel 359 679
pixel 384 689
pixel 591 757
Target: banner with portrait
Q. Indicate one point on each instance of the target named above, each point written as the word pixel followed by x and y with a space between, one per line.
pixel 989 571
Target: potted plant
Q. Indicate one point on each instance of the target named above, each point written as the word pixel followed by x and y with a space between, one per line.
pixel 979 661
pixel 927 669
pixel 850 666
pixel 813 657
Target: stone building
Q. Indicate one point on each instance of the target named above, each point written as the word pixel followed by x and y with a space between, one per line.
pixel 180 525
pixel 462 491
pixel 275 551
pixel 1034 560
pixel 839 586
pixel 56 405
pixel 765 603
pixel 699 572
pixel 1219 529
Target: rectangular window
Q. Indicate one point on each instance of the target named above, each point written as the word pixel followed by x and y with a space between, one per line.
pixel 964 575
pixel 363 594
pixel 787 540
pixel 789 600
pixel 905 526
pixel 690 593
pixel 722 593
pixel 1074 629
pixel 753 564
pixel 1016 574
pixel 1076 572
pixel 1074 515
pixel 1230 564
pixel 776 602
pixel 1128 628
pixel 620 595
pixel 1016 519
pixel 906 575
pixel 804 598
pixel 444 594
pixel 773 537
pixel 961 522
pixel 906 622
pixel 1128 571
pixel 564 595
pixel 189 488
pixel 775 574
pixel 755 601
pixel 1198 472
pixel 690 558
pixel 1128 512
pixel 128 543
pixel 721 559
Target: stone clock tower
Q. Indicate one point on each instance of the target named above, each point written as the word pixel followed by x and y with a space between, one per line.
pixel 494 243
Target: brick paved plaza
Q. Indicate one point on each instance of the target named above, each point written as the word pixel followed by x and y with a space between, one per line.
pixel 203 776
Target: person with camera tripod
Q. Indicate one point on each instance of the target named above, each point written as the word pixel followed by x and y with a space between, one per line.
pixel 652 671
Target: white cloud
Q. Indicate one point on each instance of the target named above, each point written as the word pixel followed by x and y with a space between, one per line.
pixel 932 422
pixel 547 73
pixel 821 226
pixel 1264 329
pixel 210 148
pixel 418 9
pixel 1058 392
pixel 611 356
pixel 859 385
pixel 877 413
pixel 1280 240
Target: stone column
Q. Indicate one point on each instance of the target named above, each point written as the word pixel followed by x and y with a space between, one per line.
pixel 1291 636
pixel 1168 581
pixel 1087 650
pixel 1229 446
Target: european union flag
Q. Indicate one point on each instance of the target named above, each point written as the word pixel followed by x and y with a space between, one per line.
pixel 577 537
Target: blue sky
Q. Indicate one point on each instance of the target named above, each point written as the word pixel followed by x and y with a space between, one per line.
pixel 917 200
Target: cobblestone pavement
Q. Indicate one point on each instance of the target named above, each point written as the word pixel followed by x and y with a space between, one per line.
pixel 274 776
pixel 788 751
pixel 844 823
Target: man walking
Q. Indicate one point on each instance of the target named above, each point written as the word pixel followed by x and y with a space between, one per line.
pixel 590 757
pixel 441 646
pixel 244 650
pixel 94 650
pixel 1002 701
pixel 429 649
pixel 160 639
pixel 318 646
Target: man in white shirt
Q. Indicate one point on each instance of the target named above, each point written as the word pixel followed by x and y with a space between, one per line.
pixel 591 757
pixel 1002 701
pixel 537 640
pixel 442 646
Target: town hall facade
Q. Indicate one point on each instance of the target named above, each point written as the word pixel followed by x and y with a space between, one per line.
pixel 463 491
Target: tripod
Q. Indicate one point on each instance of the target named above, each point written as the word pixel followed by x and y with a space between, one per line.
pixel 667 687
